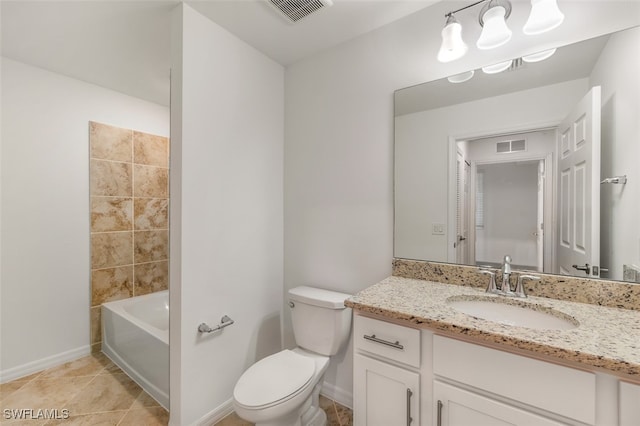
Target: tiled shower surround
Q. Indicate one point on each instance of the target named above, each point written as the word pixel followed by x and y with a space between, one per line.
pixel 129 189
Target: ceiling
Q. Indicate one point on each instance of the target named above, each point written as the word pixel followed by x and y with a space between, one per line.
pixel 125 45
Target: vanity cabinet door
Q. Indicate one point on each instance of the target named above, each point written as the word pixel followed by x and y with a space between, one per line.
pixel 628 405
pixel 458 407
pixel 384 394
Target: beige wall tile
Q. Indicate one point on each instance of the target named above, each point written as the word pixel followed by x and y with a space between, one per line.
pixel 111 249
pixel 150 181
pixel 151 277
pixel 108 178
pixel 111 284
pixel 150 246
pixel 110 143
pixel 96 324
pixel 114 182
pixel 150 149
pixel 111 214
pixel 151 213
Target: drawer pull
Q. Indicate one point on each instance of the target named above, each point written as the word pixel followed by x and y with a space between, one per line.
pixel 373 338
pixel 439 421
pixel 409 395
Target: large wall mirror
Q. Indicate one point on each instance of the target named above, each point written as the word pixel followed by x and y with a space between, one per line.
pixel 540 161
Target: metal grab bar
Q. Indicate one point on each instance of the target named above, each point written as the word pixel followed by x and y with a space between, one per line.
pixel 395 344
pixel 224 322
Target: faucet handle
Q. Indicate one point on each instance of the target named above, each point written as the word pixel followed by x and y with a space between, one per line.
pixel 520 291
pixel 491 287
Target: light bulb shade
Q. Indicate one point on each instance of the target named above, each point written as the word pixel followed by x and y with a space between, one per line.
pixel 495 32
pixel 540 56
pixel 461 78
pixel 496 68
pixel 544 17
pixel 453 47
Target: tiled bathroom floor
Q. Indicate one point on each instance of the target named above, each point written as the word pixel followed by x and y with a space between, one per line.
pixel 97 393
pixel 337 415
pixel 93 389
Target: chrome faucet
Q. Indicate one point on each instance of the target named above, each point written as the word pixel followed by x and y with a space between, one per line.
pixel 506 276
pixel 505 288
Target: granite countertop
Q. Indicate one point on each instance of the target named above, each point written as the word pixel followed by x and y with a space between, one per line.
pixel 606 338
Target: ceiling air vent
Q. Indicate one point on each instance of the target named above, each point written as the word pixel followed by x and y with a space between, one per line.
pixel 511 146
pixel 294 10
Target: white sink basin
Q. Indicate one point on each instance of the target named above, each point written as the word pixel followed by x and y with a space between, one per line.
pixel 513 312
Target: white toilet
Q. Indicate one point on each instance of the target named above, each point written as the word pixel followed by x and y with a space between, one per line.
pixel 283 389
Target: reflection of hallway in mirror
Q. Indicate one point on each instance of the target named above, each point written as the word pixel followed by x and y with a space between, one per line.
pixel 506 220
pixel 509 198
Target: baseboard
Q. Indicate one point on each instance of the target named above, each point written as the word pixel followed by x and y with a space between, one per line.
pixel 337 394
pixel 42 364
pixel 217 414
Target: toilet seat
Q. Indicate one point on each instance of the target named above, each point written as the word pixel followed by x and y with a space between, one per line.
pixel 274 379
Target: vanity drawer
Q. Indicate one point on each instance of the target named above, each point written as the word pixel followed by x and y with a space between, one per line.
pixel 551 387
pixel 389 340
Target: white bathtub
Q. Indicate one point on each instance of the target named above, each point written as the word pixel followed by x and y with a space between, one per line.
pixel 135 336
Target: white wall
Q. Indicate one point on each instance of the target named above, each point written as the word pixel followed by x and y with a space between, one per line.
pixel 45 209
pixel 339 142
pixel 421 153
pixel 226 221
pixel 619 205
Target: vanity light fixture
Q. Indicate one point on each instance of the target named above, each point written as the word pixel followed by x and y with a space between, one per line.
pixel 453 47
pixel 493 19
pixel 461 78
pixel 540 56
pixel 496 68
pixel 545 16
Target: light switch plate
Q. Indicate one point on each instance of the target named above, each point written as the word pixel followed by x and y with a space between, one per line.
pixel 437 228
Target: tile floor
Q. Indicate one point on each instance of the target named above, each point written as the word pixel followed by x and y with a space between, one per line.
pixel 94 390
pixel 97 393
pixel 337 415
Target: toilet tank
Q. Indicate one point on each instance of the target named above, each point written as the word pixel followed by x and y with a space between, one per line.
pixel 321 322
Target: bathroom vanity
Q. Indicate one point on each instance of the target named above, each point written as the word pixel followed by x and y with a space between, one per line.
pixel 418 360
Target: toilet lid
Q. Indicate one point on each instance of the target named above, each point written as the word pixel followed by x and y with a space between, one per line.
pixel 273 378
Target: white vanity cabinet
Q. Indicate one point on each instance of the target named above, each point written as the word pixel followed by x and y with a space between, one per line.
pixel 459 407
pixel 406 376
pixel 629 404
pixel 386 374
pixel 476 385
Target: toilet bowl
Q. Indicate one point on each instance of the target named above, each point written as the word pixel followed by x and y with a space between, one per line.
pixel 283 389
pixel 279 389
